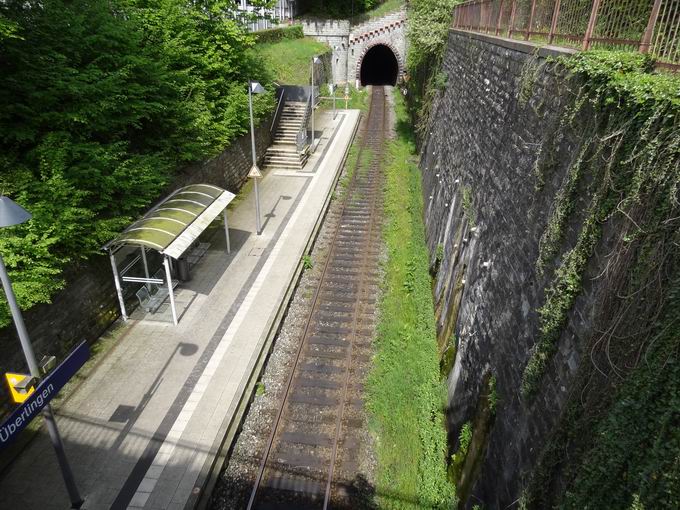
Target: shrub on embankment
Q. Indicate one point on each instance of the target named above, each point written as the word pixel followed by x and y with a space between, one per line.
pixel 428 27
pixel 102 101
pixel 279 34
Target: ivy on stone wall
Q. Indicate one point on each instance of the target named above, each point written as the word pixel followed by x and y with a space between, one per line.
pixel 628 161
pixel 618 427
pixel 428 28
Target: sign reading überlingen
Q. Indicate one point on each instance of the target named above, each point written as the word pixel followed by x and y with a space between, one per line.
pixel 44 392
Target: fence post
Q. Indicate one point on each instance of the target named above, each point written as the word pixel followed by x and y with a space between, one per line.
pixel 649 32
pixel 482 15
pixel 500 18
pixel 489 24
pixel 553 25
pixel 531 21
pixel 591 25
pixel 513 11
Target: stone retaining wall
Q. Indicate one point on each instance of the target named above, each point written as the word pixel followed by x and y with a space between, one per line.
pixel 484 217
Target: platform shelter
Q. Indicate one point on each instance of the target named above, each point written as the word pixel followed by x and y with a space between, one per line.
pixel 171 228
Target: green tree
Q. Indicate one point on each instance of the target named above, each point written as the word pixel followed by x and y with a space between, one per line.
pixel 101 102
pixel 338 8
pixel 429 22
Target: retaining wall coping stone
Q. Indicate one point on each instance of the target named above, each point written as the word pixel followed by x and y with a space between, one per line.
pixel 528 47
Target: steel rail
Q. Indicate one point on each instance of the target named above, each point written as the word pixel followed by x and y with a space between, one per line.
pixel 360 292
pixel 309 321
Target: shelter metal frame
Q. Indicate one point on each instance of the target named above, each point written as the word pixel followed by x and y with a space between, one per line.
pixel 170 228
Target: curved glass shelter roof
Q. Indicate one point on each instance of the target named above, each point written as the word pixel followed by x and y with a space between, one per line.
pixel 176 222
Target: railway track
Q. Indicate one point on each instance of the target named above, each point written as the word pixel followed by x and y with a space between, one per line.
pixel 311 454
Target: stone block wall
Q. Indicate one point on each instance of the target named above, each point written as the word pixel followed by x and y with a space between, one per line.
pixel 350 44
pixel 88 305
pixel 335 33
pixel 484 217
pixel 230 168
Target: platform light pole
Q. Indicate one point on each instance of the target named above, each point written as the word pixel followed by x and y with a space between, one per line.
pixel 332 87
pixel 12 214
pixel 254 88
pixel 315 60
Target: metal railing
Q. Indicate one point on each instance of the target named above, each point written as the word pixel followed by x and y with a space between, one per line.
pixel 281 93
pixel 647 26
pixel 301 138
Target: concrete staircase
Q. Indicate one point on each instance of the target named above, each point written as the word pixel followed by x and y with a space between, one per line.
pixel 283 152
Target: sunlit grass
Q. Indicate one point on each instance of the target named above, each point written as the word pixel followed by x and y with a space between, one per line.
pixel 289 60
pixel 387 7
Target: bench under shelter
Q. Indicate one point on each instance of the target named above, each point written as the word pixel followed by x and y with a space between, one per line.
pixel 171 228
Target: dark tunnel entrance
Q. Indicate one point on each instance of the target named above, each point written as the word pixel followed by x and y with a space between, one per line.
pixel 379 66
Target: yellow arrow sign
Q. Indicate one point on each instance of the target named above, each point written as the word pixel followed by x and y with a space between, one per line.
pixel 17 395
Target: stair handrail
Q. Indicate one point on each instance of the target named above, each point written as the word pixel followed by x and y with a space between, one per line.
pixel 277 114
pixel 301 138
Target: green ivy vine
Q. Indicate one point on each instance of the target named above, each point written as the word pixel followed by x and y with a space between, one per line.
pixel 629 158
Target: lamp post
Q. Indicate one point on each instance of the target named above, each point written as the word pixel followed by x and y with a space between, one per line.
pixel 315 60
pixel 333 94
pixel 12 214
pixel 254 88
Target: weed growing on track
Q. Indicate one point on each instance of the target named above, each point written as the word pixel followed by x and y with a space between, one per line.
pixel 405 394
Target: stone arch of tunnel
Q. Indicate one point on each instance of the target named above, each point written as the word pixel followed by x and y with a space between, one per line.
pixel 379 65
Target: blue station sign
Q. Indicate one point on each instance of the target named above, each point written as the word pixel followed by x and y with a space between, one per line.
pixel 44 392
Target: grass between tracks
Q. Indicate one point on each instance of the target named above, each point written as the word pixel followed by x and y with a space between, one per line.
pixel 405 394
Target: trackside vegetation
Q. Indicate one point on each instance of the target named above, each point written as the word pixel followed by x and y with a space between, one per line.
pixel 405 394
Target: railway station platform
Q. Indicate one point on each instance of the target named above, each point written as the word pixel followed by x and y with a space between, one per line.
pixel 149 426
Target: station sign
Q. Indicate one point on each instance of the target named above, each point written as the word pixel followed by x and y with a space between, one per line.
pixel 43 394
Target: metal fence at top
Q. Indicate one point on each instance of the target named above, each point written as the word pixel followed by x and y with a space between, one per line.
pixel 647 26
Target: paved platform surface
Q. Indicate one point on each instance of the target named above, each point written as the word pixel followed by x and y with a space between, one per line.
pixel 145 428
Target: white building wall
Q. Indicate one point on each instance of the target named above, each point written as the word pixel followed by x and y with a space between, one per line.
pixel 283 11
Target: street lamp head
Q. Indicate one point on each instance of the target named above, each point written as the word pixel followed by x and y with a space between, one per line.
pixel 12 213
pixel 256 88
